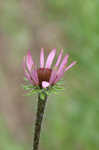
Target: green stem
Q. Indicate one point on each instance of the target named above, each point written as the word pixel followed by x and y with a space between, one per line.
pixel 38 123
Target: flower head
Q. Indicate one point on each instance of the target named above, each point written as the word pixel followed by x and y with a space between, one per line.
pixel 45 76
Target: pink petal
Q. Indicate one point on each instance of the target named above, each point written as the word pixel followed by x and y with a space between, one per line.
pixel 64 62
pixel 45 84
pixel 71 65
pixel 27 75
pixel 29 61
pixel 42 58
pixel 59 58
pixel 53 75
pixel 34 76
pixel 25 71
pixel 58 77
pixel 50 58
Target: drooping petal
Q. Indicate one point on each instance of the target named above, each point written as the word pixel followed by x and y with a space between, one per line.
pixel 58 77
pixel 50 58
pixel 71 65
pixel 29 61
pixel 54 71
pixel 27 75
pixel 59 58
pixel 42 58
pixel 53 75
pixel 34 75
pixel 45 84
pixel 62 65
pixel 25 70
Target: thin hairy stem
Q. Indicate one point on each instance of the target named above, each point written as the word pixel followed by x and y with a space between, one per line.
pixel 38 123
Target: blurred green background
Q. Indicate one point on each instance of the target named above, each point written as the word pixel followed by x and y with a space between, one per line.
pixel 71 121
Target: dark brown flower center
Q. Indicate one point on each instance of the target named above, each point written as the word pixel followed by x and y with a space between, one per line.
pixel 44 74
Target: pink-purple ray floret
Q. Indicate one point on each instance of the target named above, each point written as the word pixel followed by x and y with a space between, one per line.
pixel 50 58
pixel 30 69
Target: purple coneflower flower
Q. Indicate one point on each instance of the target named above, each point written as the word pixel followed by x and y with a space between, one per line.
pixel 43 79
pixel 45 76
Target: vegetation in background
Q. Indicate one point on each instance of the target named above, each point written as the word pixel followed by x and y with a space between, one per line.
pixel 72 118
